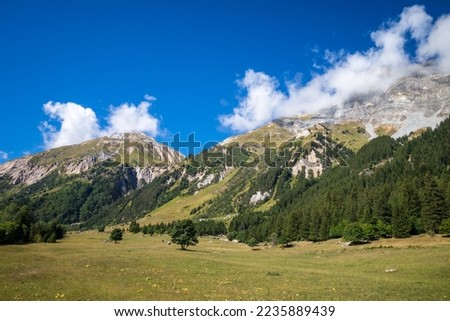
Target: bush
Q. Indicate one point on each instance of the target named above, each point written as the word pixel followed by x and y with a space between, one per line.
pixel 10 232
pixel 354 233
pixel 445 227
pixel 116 235
pixel 252 242
pixel 47 232
pixel 232 236
pixel 134 227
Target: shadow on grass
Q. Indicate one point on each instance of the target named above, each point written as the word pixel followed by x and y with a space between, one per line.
pixel 192 250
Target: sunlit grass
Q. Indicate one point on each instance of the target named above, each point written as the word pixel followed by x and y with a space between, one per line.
pixel 180 207
pixel 85 267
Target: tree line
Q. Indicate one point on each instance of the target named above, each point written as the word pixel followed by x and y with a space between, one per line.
pixel 19 225
pixel 202 228
pixel 390 188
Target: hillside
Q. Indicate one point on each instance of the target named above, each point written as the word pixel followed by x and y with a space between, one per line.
pixel 388 188
pixel 305 178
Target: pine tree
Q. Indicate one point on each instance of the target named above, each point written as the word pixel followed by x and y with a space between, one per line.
pixel 401 225
pixel 433 205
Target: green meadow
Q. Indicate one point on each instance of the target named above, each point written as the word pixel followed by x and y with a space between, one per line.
pixel 86 267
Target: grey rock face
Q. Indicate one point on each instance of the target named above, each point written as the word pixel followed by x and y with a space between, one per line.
pixel 152 159
pixel 409 104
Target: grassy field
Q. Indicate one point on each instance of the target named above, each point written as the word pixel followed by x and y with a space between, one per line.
pixel 180 207
pixel 84 267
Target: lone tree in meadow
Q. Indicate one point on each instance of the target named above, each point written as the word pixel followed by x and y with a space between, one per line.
pixel 116 235
pixel 184 234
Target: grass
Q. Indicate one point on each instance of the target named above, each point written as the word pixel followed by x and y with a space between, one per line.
pixel 181 206
pixel 350 135
pixel 278 135
pixel 386 129
pixel 84 267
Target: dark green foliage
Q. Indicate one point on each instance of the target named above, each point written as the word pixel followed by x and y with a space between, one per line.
pixel 134 227
pixel 10 232
pixel 252 242
pixel 401 222
pixel 434 208
pixel 355 233
pixel 445 227
pixel 389 188
pixel 376 151
pixel 184 234
pixel 18 225
pixel 116 235
pixel 211 227
pixel 48 232
pixel 95 198
pixel 232 235
pixel 139 202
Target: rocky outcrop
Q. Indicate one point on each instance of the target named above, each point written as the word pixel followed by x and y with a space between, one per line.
pixel 259 197
pixel 143 154
pixel 23 170
pixel 409 104
pixel 309 163
pixel 206 181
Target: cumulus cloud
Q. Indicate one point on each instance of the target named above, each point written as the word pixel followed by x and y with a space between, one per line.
pixel 128 118
pixel 78 123
pixel 350 74
pixel 258 106
pixel 437 45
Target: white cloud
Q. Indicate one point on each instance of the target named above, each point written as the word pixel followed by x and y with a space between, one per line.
pixel 78 123
pixel 350 74
pixel 128 118
pixel 3 155
pixel 438 45
pixel 259 104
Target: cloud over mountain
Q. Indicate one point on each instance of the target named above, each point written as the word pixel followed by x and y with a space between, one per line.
pixel 78 123
pixel 350 74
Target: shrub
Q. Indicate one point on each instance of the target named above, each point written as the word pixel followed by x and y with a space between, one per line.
pixel 355 234
pixel 252 242
pixel 116 235
pixel 232 236
pixel 134 227
pixel 445 227
pixel 9 232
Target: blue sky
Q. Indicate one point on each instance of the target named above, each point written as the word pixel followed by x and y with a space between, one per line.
pixel 74 70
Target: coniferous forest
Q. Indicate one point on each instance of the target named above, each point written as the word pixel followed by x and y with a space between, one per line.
pixel 389 188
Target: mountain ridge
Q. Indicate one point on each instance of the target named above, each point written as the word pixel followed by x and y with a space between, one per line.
pixel 130 149
pixel 411 103
pixel 124 177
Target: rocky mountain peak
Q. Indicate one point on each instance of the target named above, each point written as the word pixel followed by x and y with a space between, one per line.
pixel 409 104
pixel 139 151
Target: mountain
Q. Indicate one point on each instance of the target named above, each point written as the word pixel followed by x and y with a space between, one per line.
pixel 75 184
pixel 388 188
pixel 409 104
pixel 143 153
pixel 305 177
